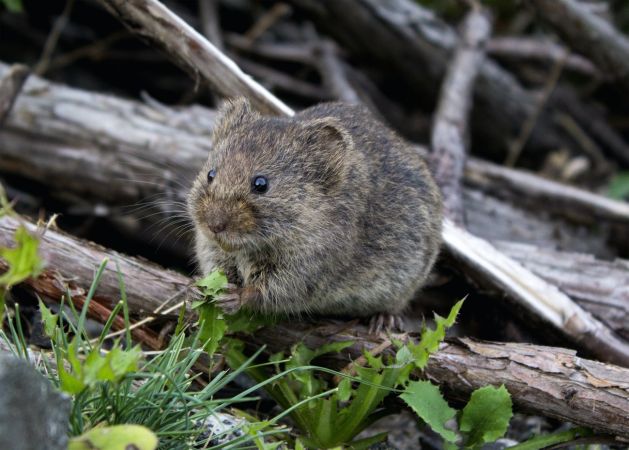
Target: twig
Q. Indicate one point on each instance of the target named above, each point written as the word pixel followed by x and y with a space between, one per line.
pixel 10 86
pixel 449 135
pixel 53 38
pixel 267 20
pixel 274 79
pixel 333 73
pixel 94 50
pixel 515 149
pixel 295 52
pixel 208 10
pixel 539 50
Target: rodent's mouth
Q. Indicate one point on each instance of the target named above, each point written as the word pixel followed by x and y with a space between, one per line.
pixel 228 242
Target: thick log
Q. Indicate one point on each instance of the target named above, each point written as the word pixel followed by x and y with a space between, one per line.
pixel 592 282
pixel 542 380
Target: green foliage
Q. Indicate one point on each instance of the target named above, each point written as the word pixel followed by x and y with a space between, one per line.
pixel 428 403
pixel 619 187
pixel 23 260
pixel 331 416
pixel 12 5
pixel 486 416
pixel 117 437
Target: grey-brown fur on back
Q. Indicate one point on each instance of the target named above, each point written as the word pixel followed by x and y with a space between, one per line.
pixel 351 223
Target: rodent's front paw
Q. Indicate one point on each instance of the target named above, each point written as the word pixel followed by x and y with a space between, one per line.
pixel 233 298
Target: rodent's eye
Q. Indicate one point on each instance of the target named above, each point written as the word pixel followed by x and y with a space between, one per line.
pixel 260 184
pixel 210 175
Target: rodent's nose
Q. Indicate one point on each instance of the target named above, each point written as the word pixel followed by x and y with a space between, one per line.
pixel 217 224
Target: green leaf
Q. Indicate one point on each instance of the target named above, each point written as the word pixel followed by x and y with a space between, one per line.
pixel 486 416
pixel 619 186
pixel 212 327
pixel 23 260
pixel 368 442
pixel 345 389
pixel 549 440
pixel 117 437
pixel 213 284
pixel 48 319
pixel 68 382
pixel 430 339
pixel 426 400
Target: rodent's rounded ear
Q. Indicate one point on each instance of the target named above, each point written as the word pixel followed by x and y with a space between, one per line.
pixel 328 143
pixel 231 113
pixel 327 131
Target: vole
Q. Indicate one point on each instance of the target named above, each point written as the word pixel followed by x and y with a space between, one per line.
pixel 325 212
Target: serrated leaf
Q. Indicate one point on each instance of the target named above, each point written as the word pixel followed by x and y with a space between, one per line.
pixel 23 260
pixel 213 283
pixel 428 403
pixel 124 361
pixel 486 416
pixel 117 437
pixel 49 320
pixel 68 382
pixel 431 338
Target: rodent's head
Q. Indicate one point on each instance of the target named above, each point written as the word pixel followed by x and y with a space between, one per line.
pixel 268 179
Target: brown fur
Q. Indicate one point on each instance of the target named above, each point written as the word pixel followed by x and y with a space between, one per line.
pixel 350 224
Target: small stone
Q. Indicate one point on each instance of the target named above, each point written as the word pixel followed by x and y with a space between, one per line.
pixel 33 414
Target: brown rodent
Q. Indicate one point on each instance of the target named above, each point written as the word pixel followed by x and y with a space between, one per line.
pixel 326 212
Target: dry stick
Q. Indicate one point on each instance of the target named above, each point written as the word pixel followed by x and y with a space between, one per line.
pixel 516 147
pixel 589 35
pixel 532 49
pixel 267 20
pixel 558 198
pixel 192 51
pixel 53 38
pixel 333 73
pixel 10 86
pixel 542 380
pixel 449 134
pixel 151 19
pixel 208 10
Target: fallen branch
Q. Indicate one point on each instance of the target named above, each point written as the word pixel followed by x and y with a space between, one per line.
pixel 450 132
pixel 542 380
pixel 589 35
pixel 532 49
